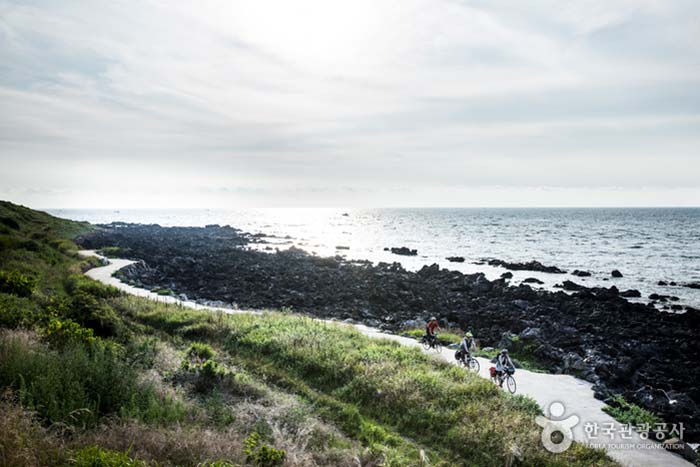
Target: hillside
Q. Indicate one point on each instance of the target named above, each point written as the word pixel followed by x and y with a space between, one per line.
pixel 92 377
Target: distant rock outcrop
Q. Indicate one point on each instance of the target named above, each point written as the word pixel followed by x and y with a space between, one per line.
pixel 529 266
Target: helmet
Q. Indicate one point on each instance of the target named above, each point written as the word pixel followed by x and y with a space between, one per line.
pixel 433 318
pixel 505 351
pixel 468 334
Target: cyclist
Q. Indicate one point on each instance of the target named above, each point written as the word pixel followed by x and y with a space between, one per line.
pixel 430 329
pixel 466 344
pixel 504 364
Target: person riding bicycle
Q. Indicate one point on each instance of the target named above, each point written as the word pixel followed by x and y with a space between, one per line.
pixel 430 329
pixel 504 365
pixel 466 344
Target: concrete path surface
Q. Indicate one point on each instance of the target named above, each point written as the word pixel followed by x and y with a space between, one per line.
pixel 592 425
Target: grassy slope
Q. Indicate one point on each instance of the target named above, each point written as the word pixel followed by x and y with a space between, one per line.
pixel 121 374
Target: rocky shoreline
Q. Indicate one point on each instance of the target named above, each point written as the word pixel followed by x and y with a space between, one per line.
pixel 626 348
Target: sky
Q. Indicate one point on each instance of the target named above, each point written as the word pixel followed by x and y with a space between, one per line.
pixel 167 103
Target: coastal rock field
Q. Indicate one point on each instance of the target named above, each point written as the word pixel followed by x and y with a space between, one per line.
pixel 622 347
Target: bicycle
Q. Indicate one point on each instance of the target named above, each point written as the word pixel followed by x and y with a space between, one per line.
pixel 504 377
pixel 470 363
pixel 431 343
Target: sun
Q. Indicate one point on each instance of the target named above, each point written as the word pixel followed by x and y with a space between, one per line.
pixel 314 34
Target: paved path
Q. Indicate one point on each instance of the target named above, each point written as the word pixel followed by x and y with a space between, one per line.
pixel 576 395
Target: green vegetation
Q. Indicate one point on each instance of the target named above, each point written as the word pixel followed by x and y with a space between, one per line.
pixel 92 377
pixel 93 456
pixel 16 283
pixel 112 252
pixel 628 413
pixel 163 291
pixel 260 454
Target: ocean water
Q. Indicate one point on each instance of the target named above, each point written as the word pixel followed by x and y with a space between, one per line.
pixel 647 245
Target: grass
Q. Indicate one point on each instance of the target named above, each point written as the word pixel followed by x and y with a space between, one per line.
pixel 112 252
pixel 78 384
pixel 631 414
pixel 94 377
pixel 379 392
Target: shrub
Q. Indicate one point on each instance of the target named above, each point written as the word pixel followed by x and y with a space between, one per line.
pixel 262 455
pixel 205 376
pixel 18 312
pixel 525 404
pixel 76 384
pixel 7 242
pixel 9 222
pixel 217 464
pixel 76 283
pixel 62 333
pixel 201 351
pixel 97 457
pixel 16 283
pixel 94 313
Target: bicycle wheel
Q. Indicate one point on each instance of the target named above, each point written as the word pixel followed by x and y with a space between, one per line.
pixel 510 382
pixel 474 365
pixel 438 347
pixel 426 344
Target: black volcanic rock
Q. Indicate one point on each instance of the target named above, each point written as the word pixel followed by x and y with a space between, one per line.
pixel 571 286
pixel 631 293
pixel 532 280
pixel 455 259
pixel 623 348
pixel 616 273
pixel 581 273
pixel 529 266
pixel 403 251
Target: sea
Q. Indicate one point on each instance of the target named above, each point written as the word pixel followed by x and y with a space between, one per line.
pixel 646 245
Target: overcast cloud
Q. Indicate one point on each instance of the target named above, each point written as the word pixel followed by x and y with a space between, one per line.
pixel 357 103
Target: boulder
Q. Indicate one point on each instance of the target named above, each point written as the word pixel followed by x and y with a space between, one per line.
pixel 529 266
pixel 507 275
pixel 681 448
pixel 404 251
pixel 571 286
pixel 581 273
pixel 531 334
pixel 631 293
pixel 532 280
pixel 573 362
pixel 616 273
pixel 455 259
